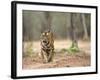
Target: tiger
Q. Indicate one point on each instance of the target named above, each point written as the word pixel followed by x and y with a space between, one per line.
pixel 47 46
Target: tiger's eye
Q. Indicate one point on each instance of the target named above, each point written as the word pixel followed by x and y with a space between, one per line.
pixel 43 33
pixel 47 33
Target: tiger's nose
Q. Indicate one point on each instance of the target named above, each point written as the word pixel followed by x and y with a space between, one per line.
pixel 44 41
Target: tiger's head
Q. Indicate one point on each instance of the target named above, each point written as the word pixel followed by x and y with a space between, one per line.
pixel 45 37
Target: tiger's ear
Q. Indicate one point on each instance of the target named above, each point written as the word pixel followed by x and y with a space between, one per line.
pixel 42 31
pixel 48 30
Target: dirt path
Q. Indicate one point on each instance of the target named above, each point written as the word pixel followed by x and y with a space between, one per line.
pixel 82 58
pixel 60 60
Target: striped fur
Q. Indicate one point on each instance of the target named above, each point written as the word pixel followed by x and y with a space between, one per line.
pixel 47 46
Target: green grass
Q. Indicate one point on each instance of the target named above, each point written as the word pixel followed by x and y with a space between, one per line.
pixel 74 48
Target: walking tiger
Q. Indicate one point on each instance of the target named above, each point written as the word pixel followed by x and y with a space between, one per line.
pixel 47 46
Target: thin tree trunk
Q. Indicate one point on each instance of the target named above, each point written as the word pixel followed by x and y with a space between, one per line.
pixel 73 35
pixel 48 20
pixel 85 37
pixel 74 46
pixel 46 24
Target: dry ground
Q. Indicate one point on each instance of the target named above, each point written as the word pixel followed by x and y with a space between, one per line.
pixel 61 59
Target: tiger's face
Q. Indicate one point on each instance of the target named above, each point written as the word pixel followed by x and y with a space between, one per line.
pixel 45 37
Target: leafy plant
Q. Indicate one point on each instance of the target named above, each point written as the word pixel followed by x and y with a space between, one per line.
pixel 73 49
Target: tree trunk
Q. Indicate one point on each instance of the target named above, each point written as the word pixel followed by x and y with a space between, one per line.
pixel 85 37
pixel 48 18
pixel 74 46
pixel 46 24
